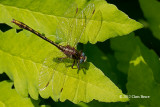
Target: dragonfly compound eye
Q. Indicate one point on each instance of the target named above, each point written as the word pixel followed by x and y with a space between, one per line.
pixel 83 54
pixel 81 60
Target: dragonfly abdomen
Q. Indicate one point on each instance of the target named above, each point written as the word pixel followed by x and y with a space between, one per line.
pixel 24 26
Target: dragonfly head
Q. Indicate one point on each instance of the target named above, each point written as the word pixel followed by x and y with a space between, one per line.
pixel 83 58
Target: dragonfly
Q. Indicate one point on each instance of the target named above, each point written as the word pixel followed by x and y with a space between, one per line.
pixel 68 50
pixel 70 30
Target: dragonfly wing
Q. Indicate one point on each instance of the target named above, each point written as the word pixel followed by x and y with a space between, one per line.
pixel 61 31
pixel 82 19
pixel 79 26
pixel 94 26
pixel 72 26
pixel 49 68
pixel 66 24
pixel 89 11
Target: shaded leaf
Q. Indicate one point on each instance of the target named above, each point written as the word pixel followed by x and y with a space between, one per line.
pixel 97 104
pixel 142 66
pixel 145 83
pixel 125 47
pixel 150 9
pixel 104 62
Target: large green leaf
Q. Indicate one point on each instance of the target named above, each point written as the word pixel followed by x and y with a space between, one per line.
pixel 141 80
pixel 50 7
pixel 10 98
pixel 125 47
pixel 22 57
pixel 151 9
pixel 112 22
pixel 142 66
pixel 105 62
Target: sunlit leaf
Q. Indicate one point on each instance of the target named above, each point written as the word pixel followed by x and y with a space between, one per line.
pixel 10 98
pixel 26 61
pixel 108 21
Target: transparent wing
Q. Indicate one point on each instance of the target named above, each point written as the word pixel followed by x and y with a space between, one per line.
pixel 72 26
pixel 78 28
pixel 65 25
pixel 51 71
pixel 94 26
pixel 48 69
pixel 82 19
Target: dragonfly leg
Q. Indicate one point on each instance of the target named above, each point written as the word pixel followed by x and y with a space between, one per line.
pixel 73 64
pixel 78 64
pixel 62 58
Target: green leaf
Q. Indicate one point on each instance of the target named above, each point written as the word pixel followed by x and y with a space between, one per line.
pixel 141 79
pixel 22 57
pixel 105 62
pixel 151 9
pixel 50 7
pixel 16 60
pixel 10 98
pixel 142 66
pixel 108 21
pixel 125 47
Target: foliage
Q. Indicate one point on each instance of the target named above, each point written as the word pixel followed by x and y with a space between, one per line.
pixel 142 66
pixel 150 9
pixel 120 66
pixel 10 96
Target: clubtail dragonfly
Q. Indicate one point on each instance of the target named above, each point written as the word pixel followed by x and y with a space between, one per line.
pixel 69 51
pixel 70 29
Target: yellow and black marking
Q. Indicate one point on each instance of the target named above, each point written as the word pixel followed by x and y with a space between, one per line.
pixel 24 26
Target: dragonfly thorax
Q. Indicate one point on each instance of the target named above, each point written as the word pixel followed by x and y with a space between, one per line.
pixel 73 53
